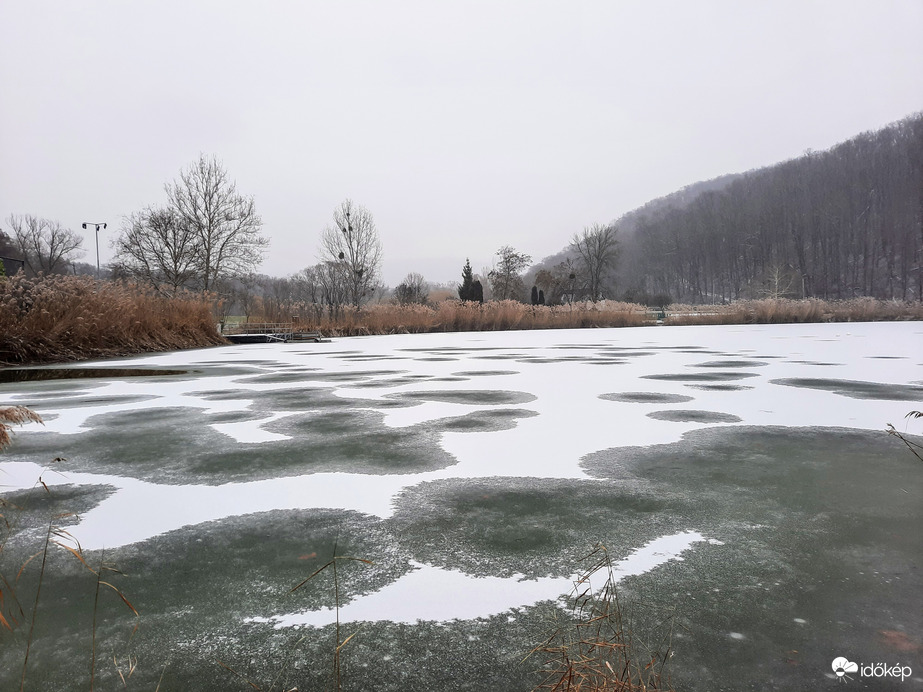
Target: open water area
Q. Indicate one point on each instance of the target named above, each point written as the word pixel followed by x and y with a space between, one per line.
pixel 759 519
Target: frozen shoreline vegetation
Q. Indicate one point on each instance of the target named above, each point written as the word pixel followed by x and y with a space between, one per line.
pixel 459 316
pixel 480 462
pixel 55 318
pixel 48 319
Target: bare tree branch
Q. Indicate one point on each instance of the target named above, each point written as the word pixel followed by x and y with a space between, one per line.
pixel 597 252
pixel 226 224
pixel 505 279
pixel 46 245
pixel 353 243
pixel 156 247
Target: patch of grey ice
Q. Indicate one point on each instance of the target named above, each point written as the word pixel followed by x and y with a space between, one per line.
pixel 434 594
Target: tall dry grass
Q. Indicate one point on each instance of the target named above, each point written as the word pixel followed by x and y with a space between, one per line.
pixel 57 318
pixel 459 316
pixel 462 316
pixel 779 311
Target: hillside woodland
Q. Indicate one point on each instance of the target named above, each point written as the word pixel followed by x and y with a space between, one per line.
pixel 838 224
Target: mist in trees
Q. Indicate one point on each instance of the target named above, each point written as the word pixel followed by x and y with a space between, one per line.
pixel 842 223
pixel 596 252
pixel 412 290
pixel 45 245
pixel 846 222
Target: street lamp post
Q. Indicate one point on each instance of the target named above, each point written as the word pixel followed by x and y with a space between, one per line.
pixel 98 226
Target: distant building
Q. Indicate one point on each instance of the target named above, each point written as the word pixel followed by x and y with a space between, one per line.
pixel 11 265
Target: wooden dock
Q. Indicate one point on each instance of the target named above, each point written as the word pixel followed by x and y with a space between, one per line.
pixel 267 332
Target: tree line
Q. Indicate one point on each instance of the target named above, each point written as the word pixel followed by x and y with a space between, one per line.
pixel 207 236
pixel 843 223
pixel 838 224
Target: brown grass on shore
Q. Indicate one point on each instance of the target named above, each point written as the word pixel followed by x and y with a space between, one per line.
pixel 779 311
pixel 459 316
pixel 58 318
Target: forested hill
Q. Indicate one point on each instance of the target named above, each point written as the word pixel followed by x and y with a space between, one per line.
pixel 836 224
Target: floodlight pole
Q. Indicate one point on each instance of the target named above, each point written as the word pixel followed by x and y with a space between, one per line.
pixel 98 225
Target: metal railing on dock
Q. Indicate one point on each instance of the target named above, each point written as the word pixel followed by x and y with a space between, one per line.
pixel 258 328
pixel 264 332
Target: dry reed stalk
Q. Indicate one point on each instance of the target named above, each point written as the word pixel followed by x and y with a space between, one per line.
pixel 58 537
pixel 596 653
pixel 38 591
pixel 332 563
pixel 915 448
pixel 15 415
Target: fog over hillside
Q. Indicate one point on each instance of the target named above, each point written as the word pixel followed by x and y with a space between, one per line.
pixel 835 224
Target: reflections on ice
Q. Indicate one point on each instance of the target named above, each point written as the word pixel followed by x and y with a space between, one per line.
pixel 435 594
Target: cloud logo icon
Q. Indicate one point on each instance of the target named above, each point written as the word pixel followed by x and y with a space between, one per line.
pixel 841 666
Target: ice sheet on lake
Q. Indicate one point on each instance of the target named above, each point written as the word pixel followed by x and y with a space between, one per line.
pixel 560 368
pixel 434 594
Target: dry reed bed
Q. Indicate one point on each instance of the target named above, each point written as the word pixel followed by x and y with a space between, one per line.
pixel 58 318
pixel 458 316
pixel 779 311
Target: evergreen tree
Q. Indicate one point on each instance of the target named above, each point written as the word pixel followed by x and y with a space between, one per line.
pixel 477 291
pixel 466 290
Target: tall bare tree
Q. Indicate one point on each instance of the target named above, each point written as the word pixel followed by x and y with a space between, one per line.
pixel 46 246
pixel 334 286
pixel 306 290
pixel 505 280
pixel 226 224
pixel 157 247
pixel 597 252
pixel 353 243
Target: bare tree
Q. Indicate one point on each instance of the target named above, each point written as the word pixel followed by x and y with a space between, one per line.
pixel 380 291
pixel 306 290
pixel 157 247
pixel 505 280
pixel 46 246
pixel 778 282
pixel 226 224
pixel 334 285
pixel 413 289
pixel 353 243
pixel 597 252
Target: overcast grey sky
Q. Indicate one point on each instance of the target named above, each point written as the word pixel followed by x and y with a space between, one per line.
pixel 461 126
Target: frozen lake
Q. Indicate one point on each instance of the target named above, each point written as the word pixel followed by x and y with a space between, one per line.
pixel 739 476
